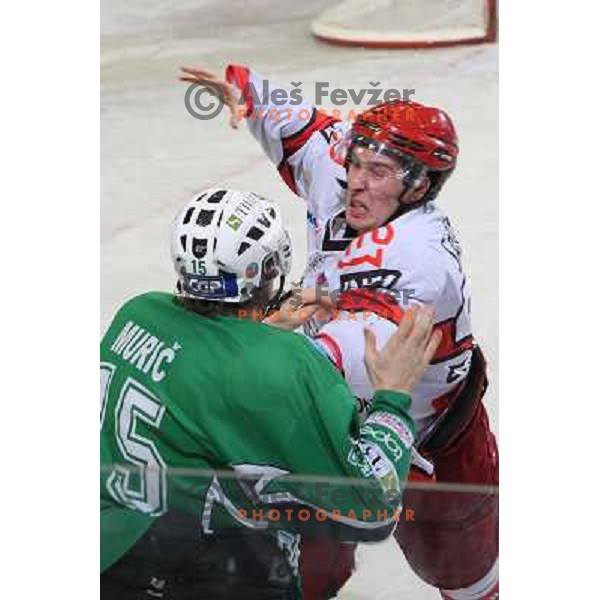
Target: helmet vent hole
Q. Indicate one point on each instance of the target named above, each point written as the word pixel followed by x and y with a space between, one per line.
pixel 255 233
pixel 205 217
pixel 217 197
pixel 243 247
pixel 183 240
pixel 188 215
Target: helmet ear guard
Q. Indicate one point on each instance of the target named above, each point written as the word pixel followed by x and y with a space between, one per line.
pixel 437 178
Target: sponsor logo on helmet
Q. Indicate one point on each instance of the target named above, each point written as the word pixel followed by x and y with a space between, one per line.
pixel 210 288
pixel 234 222
pixel 251 270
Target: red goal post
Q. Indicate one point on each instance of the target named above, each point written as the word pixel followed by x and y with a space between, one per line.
pixel 407 23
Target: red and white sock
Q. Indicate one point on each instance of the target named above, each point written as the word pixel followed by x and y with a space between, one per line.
pixel 487 588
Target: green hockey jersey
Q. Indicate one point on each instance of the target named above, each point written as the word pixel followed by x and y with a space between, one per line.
pixel 238 422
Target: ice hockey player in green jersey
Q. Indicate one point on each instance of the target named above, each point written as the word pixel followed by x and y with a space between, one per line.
pixel 224 438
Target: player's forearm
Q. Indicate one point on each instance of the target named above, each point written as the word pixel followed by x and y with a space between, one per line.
pixel 274 112
pixel 387 435
pixel 287 127
pixel 376 466
pixel 388 418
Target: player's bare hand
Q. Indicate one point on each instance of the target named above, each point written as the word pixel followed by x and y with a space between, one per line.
pixel 230 94
pixel 291 317
pixel 400 364
pixel 299 306
pixel 309 296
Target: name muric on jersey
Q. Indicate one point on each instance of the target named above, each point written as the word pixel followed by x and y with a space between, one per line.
pixel 144 351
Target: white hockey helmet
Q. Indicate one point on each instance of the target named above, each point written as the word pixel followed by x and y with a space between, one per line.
pixel 225 244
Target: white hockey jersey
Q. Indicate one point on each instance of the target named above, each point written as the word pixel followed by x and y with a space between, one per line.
pixel 415 259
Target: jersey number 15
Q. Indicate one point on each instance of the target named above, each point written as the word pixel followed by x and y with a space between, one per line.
pixel 143 486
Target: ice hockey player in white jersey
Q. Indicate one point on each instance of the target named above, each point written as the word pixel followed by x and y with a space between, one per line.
pixel 378 243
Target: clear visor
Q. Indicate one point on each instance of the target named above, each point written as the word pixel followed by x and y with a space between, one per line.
pixel 382 162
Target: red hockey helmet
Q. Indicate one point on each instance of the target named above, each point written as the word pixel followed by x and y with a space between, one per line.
pixel 421 137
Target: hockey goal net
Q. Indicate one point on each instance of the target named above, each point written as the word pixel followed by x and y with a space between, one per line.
pixel 407 23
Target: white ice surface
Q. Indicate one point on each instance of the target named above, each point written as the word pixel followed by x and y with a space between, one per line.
pixel 154 154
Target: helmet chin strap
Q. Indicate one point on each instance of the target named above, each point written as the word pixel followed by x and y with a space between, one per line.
pixel 279 297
